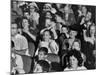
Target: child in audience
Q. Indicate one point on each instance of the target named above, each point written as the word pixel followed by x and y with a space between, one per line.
pixel 42 66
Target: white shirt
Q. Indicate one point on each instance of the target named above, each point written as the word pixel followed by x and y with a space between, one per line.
pixel 78 68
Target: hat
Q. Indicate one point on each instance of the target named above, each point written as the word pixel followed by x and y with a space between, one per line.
pixel 33 4
pixel 74 27
pixel 48 5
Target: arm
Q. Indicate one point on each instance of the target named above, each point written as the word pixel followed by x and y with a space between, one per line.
pixel 85 37
pixel 31 35
pixel 54 33
pixel 20 52
pixel 54 47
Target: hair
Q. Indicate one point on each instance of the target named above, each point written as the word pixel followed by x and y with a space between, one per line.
pixel 44 50
pixel 50 32
pixel 55 67
pixel 44 64
pixel 64 26
pixel 15 23
pixel 77 55
pixel 23 19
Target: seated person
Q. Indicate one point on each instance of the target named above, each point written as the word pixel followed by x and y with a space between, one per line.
pixel 42 66
pixel 42 54
pixel 48 42
pixel 74 61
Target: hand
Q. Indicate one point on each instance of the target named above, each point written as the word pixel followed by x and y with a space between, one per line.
pixel 82 21
pixel 84 31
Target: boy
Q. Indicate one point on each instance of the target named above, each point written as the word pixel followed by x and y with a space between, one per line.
pixel 42 54
pixel 42 66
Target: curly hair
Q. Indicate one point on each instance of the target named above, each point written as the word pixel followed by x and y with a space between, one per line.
pixel 44 64
pixel 77 55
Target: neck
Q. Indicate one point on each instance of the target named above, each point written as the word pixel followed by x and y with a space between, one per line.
pixel 92 35
pixel 74 67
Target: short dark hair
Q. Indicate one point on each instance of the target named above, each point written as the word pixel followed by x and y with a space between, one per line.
pixel 77 55
pixel 44 64
pixel 44 49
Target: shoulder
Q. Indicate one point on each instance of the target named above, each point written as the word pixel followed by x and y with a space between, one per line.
pixel 82 68
pixel 66 69
pixel 52 42
pixel 21 37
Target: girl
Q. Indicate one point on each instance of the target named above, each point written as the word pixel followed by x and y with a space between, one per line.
pixel 48 42
pixel 74 61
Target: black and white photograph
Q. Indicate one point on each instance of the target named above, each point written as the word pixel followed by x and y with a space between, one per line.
pixel 52 37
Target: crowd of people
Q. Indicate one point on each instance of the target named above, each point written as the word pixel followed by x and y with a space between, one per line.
pixel 55 37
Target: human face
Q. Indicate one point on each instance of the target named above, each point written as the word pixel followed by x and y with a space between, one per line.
pixel 14 4
pixel 13 29
pixel 26 14
pixel 46 8
pixel 64 30
pixel 48 15
pixel 84 10
pixel 46 36
pixel 76 46
pixel 41 55
pixel 38 69
pixel 32 9
pixel 88 16
pixel 92 30
pixel 73 34
pixel 25 23
pixel 73 61
pixel 66 9
pixel 48 23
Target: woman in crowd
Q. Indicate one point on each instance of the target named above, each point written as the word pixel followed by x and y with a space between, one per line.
pixel 29 34
pixel 89 47
pixel 48 42
pixel 67 44
pixel 74 61
pixel 69 17
pixel 34 15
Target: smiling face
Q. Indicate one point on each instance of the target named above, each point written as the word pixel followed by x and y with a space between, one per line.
pixel 48 15
pixel 76 46
pixel 46 36
pixel 73 61
pixel 41 55
pixel 48 23
pixel 46 7
pixel 25 23
pixel 73 34
pixel 64 30
pixel 84 9
pixel 92 30
pixel 88 16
